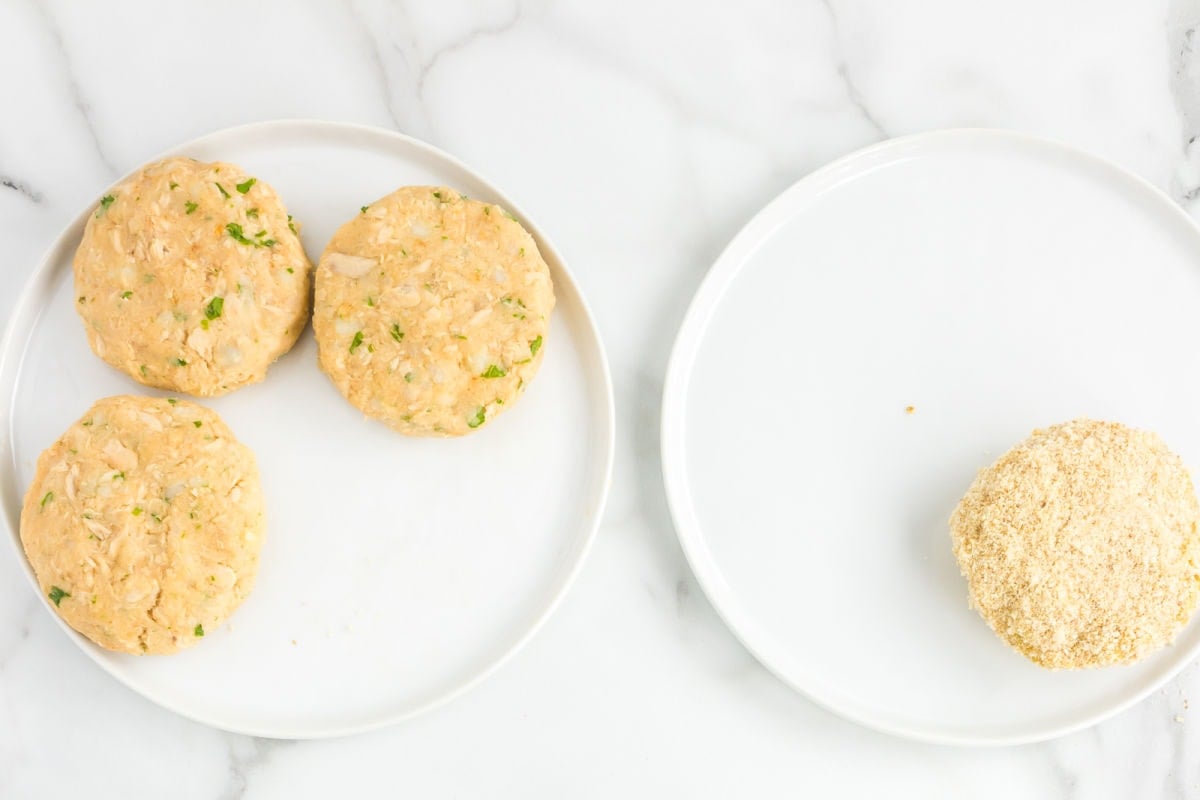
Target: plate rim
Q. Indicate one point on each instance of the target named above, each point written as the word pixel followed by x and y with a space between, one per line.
pixel 11 363
pixel 672 446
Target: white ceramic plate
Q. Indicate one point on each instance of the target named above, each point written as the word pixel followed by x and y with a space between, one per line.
pixel 397 572
pixel 995 283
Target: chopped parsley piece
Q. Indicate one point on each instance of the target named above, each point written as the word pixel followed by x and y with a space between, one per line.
pixel 363 209
pixel 204 324
pixel 47 498
pixel 370 302
pixel 477 420
pixel 119 475
pixel 82 299
pixel 510 216
pixel 522 252
pixel 252 213
pixel 126 295
pixel 245 185
pixel 56 595
pixel 142 369
pixel 235 230
pixel 189 207
pixel 290 270
pixel 137 511
pixel 356 342
pixel 370 348
pixel 409 377
pixel 397 334
pixel 197 423
pixel 460 336
pixel 292 225
pixel 172 400
pixel 494 371
pixel 535 345
pixel 214 307
pixel 487 210
pixel 105 202
pixel 174 185
pixel 260 234
pixel 439 196
pixel 224 193
pixel 198 630
pixel 179 362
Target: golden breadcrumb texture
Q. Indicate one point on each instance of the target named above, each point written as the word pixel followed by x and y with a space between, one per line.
pixel 144 523
pixel 191 277
pixel 432 311
pixel 1080 545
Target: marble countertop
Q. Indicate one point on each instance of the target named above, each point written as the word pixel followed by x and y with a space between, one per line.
pixel 642 138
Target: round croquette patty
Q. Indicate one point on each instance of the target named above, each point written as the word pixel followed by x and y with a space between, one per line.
pixel 191 277
pixel 1080 545
pixel 432 311
pixel 144 522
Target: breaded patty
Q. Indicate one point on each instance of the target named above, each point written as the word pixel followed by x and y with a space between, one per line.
pixel 1080 545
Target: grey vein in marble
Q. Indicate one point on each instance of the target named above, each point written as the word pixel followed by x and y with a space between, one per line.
pixel 21 187
pixel 1183 33
pixel 414 66
pixel 246 755
pixel 381 68
pixel 843 71
pixel 471 36
pixel 68 70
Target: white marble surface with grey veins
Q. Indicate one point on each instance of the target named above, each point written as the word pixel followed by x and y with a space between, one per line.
pixel 642 136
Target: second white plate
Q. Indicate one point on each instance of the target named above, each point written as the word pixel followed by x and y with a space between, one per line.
pixel 877 334
pixel 397 572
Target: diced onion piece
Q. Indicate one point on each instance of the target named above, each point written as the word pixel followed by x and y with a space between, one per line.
pixel 350 266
